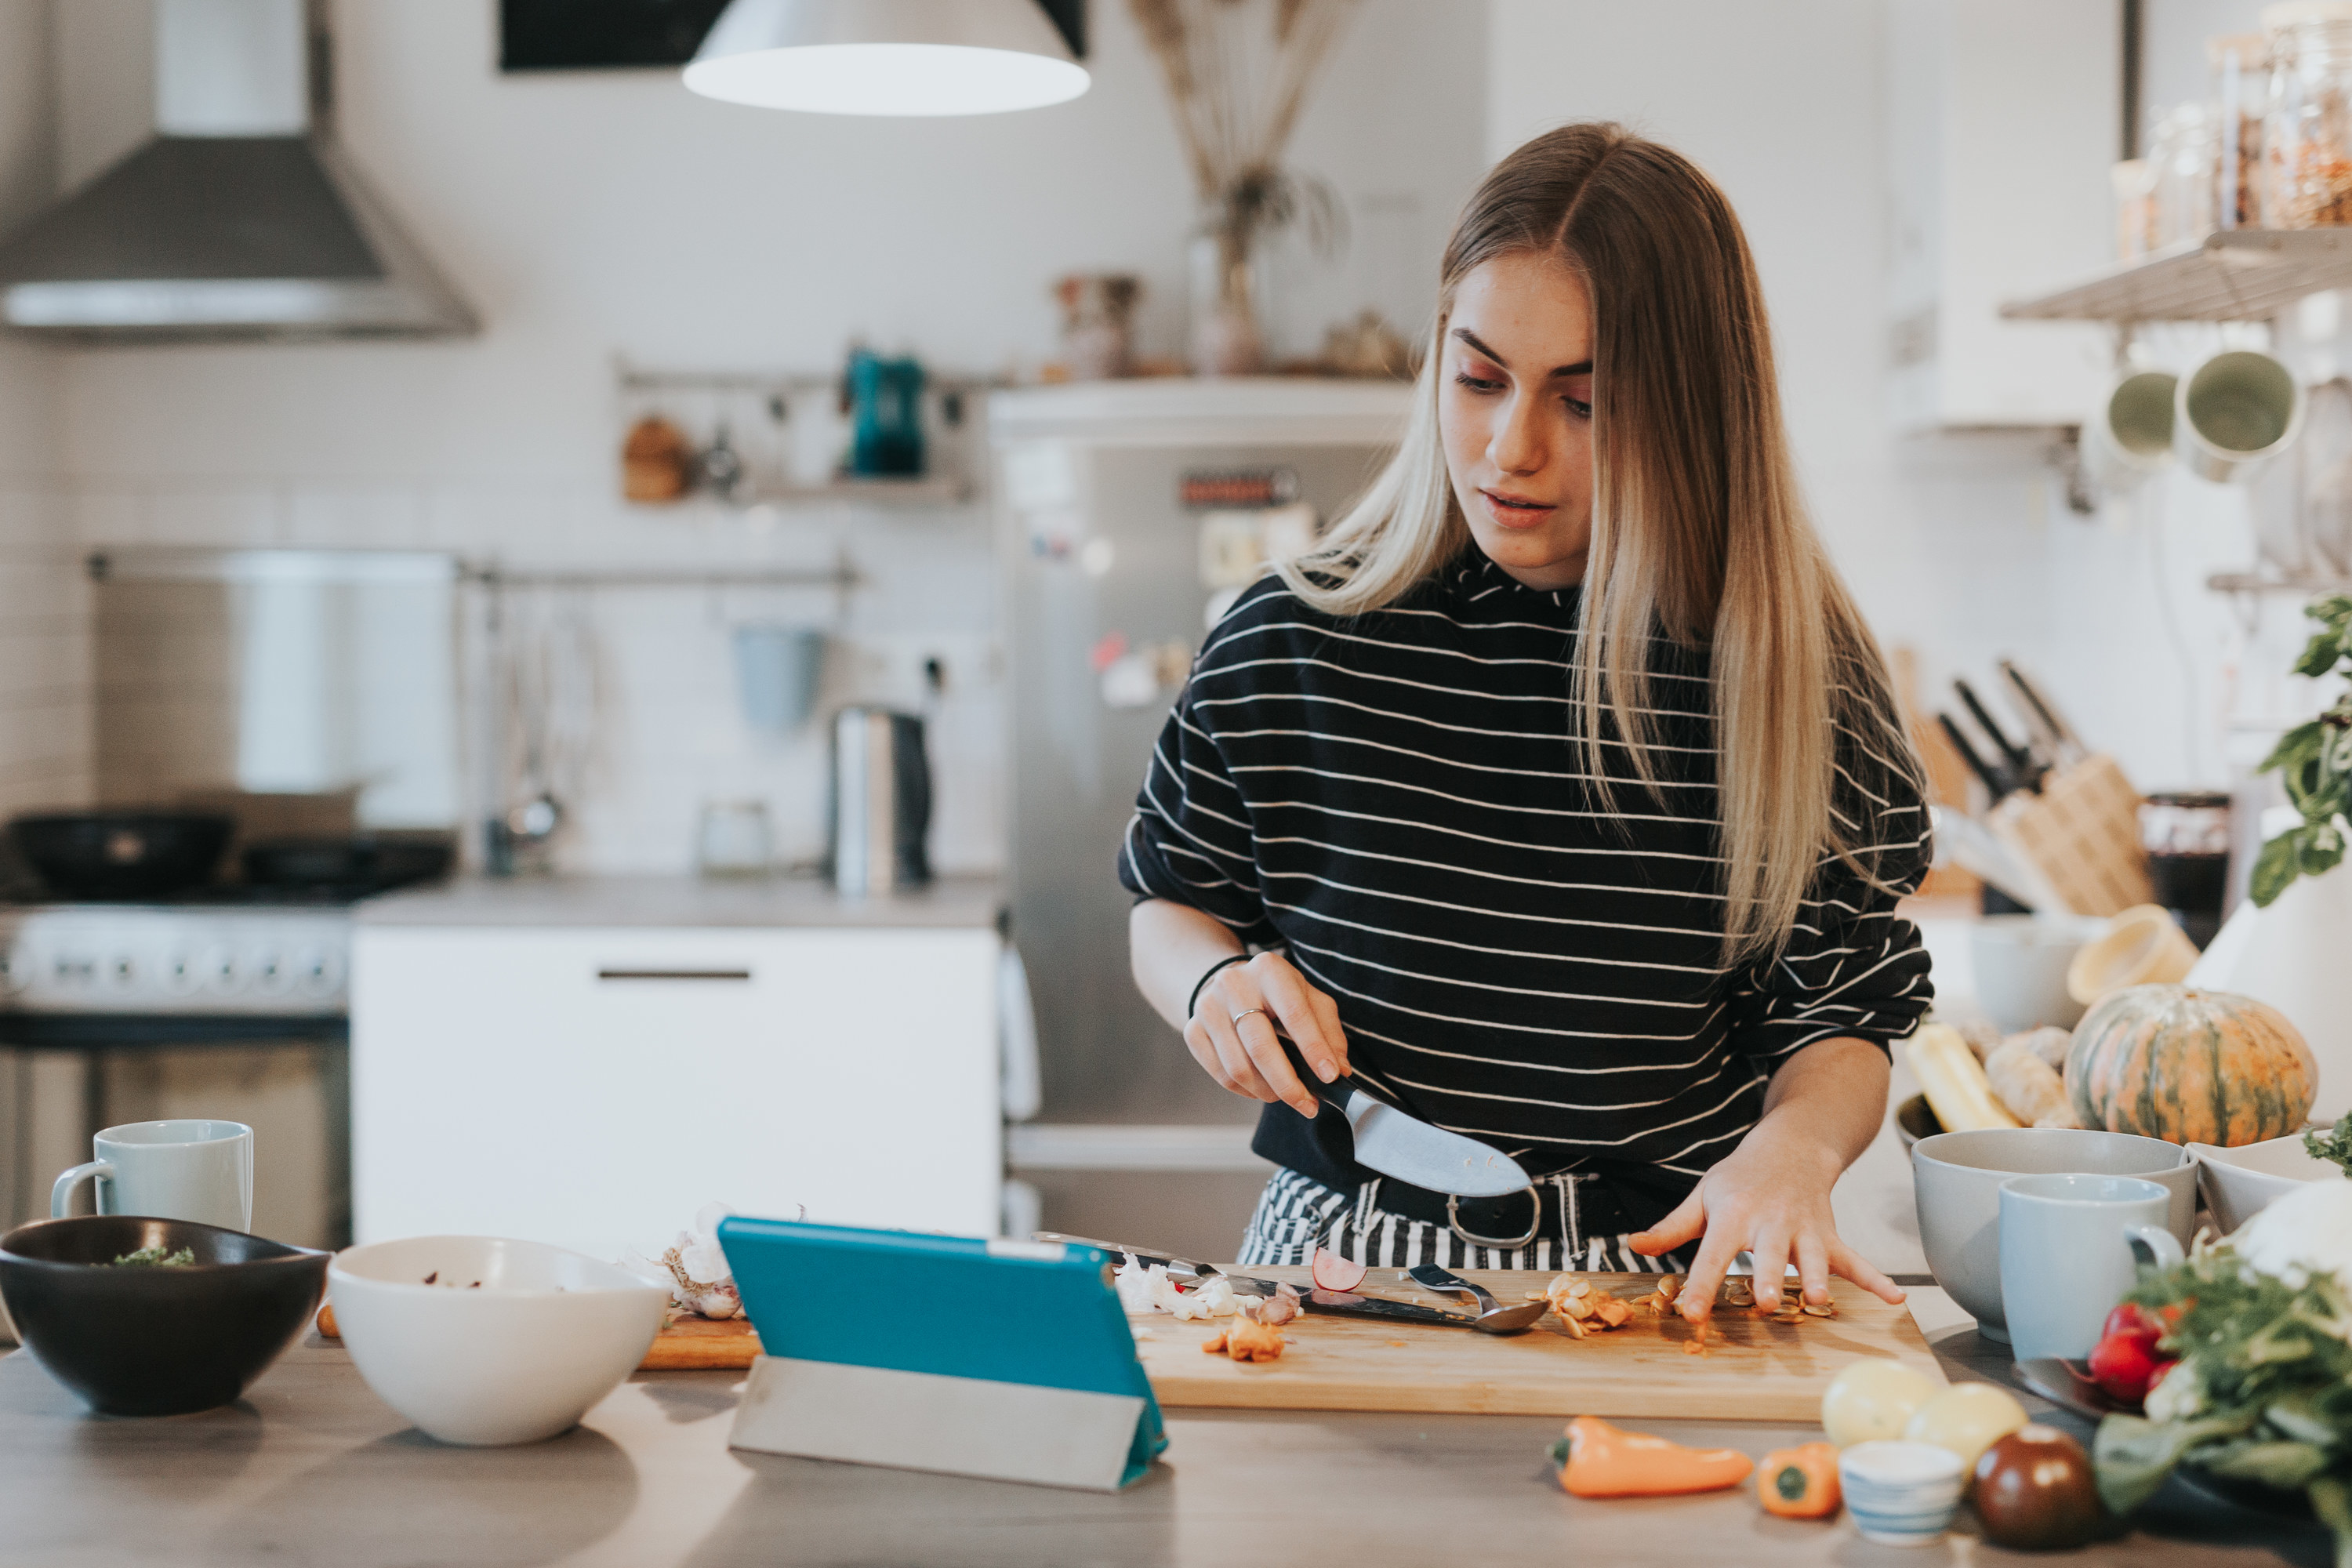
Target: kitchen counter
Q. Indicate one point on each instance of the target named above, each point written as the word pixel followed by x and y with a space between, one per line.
pixel 312 1469
pixel 643 902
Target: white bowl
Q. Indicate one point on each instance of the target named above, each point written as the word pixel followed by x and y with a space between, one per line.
pixel 522 1356
pixel 2239 1183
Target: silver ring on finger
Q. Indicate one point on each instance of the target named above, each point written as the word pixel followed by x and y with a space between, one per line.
pixel 1247 1012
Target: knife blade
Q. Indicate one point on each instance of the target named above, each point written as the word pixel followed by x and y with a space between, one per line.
pixel 1396 1144
pixel 1152 1258
pixel 1349 1304
pixel 2064 742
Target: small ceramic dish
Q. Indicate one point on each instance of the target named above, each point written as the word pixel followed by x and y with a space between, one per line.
pixel 2241 1182
pixel 1900 1494
pixel 144 1340
pixel 483 1342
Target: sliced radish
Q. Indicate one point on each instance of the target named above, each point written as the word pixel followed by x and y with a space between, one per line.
pixel 1334 1272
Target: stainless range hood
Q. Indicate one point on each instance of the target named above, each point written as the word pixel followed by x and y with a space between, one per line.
pixel 240 220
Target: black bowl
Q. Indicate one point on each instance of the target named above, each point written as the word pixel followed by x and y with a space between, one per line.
pixel 155 1341
pixel 122 853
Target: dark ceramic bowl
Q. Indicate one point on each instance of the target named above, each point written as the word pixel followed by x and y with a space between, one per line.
pixel 155 1341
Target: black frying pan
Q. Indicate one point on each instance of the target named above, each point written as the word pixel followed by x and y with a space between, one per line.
pixel 122 854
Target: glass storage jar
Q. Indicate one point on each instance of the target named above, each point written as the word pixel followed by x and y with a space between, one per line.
pixel 2185 150
pixel 2241 68
pixel 2307 133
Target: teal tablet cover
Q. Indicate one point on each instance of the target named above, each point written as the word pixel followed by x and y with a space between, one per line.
pixel 1039 1313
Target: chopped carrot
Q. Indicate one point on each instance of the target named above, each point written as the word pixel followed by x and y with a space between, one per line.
pixel 1607 1462
pixel 1215 1343
pixel 1250 1341
pixel 1799 1482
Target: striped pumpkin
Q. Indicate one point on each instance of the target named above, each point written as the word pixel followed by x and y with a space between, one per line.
pixel 2191 1066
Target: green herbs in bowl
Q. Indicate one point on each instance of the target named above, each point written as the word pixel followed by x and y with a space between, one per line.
pixel 156 1258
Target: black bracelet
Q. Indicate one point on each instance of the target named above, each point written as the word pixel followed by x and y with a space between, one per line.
pixel 1207 976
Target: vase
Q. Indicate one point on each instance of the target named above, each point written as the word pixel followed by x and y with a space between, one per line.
pixel 1228 295
pixel 2293 956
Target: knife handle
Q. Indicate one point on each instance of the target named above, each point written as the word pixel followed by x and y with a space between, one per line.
pixel 1335 1094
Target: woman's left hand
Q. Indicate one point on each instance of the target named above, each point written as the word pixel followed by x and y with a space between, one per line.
pixel 1771 1196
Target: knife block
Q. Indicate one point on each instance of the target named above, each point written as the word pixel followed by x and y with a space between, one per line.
pixel 2082 833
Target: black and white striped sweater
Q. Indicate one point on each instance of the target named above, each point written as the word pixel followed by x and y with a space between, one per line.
pixel 1396 802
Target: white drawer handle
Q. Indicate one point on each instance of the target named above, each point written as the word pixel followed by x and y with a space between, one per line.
pixel 673 974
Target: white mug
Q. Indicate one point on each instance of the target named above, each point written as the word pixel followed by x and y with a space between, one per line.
pixel 2066 1256
pixel 2235 412
pixel 2129 436
pixel 195 1170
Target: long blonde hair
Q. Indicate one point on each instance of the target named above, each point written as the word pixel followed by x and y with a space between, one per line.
pixel 1698 532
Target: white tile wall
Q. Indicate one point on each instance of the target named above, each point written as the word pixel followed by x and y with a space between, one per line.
pixel 669 735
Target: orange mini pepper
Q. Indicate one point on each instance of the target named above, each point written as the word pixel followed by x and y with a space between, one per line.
pixel 1799 1482
pixel 1606 1461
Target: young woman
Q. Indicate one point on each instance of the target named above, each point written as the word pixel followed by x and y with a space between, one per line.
pixel 1558 795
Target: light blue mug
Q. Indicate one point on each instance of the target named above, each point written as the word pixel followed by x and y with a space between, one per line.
pixel 2067 1245
pixel 191 1169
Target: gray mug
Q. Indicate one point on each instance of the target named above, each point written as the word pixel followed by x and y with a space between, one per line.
pixel 2066 1256
pixel 195 1169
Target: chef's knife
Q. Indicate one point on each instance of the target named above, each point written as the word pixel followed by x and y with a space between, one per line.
pixel 1996 782
pixel 2022 765
pixel 1150 1258
pixel 1395 1144
pixel 2065 745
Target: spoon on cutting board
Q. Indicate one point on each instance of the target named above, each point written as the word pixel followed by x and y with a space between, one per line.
pixel 1493 1317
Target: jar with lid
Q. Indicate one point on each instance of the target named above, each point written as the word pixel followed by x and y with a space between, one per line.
pixel 2186 150
pixel 2307 131
pixel 2240 65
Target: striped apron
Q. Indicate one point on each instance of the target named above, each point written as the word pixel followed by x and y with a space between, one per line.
pixel 1296 1215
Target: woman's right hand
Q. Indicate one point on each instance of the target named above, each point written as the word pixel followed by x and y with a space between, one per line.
pixel 1245 1057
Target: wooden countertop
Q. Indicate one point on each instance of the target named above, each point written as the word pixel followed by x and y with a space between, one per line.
pixel 311 1468
pixel 638 902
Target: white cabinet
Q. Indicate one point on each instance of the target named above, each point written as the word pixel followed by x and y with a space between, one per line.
pixel 594 1086
pixel 2004 118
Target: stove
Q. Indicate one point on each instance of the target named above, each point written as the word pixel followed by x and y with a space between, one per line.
pixel 208 957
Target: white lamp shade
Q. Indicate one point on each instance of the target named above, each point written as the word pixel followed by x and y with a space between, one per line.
pixel 886 56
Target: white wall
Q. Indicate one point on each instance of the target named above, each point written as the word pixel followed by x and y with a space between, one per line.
pixel 44 664
pixel 591 214
pixel 1959 546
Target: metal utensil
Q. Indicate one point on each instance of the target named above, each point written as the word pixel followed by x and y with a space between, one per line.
pixel 1995 781
pixel 1150 1258
pixel 2066 744
pixel 1399 1145
pixel 1493 1317
pixel 2022 766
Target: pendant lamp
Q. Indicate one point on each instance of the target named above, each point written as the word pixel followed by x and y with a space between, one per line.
pixel 886 56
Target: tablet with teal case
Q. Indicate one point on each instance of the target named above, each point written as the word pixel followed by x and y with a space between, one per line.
pixel 1010 1359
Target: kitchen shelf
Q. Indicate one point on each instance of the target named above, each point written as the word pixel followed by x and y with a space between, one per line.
pixel 2231 275
pixel 841 575
pixel 2308 585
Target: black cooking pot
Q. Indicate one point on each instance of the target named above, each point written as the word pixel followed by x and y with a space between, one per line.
pixel 121 854
pixel 372 862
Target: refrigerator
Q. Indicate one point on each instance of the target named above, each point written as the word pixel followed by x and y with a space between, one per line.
pixel 1128 513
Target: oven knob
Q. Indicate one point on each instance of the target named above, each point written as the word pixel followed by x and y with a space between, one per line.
pixel 123 973
pixel 181 976
pixel 320 971
pixel 16 970
pixel 218 970
pixel 271 973
pixel 70 971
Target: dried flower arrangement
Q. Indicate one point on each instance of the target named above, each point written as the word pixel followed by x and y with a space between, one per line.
pixel 1236 104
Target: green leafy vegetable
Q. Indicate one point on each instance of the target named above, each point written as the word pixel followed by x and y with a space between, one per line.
pixel 2263 1392
pixel 156 1258
pixel 2336 1146
pixel 2314 761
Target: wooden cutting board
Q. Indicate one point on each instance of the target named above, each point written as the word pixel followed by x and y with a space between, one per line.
pixel 1753 1369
